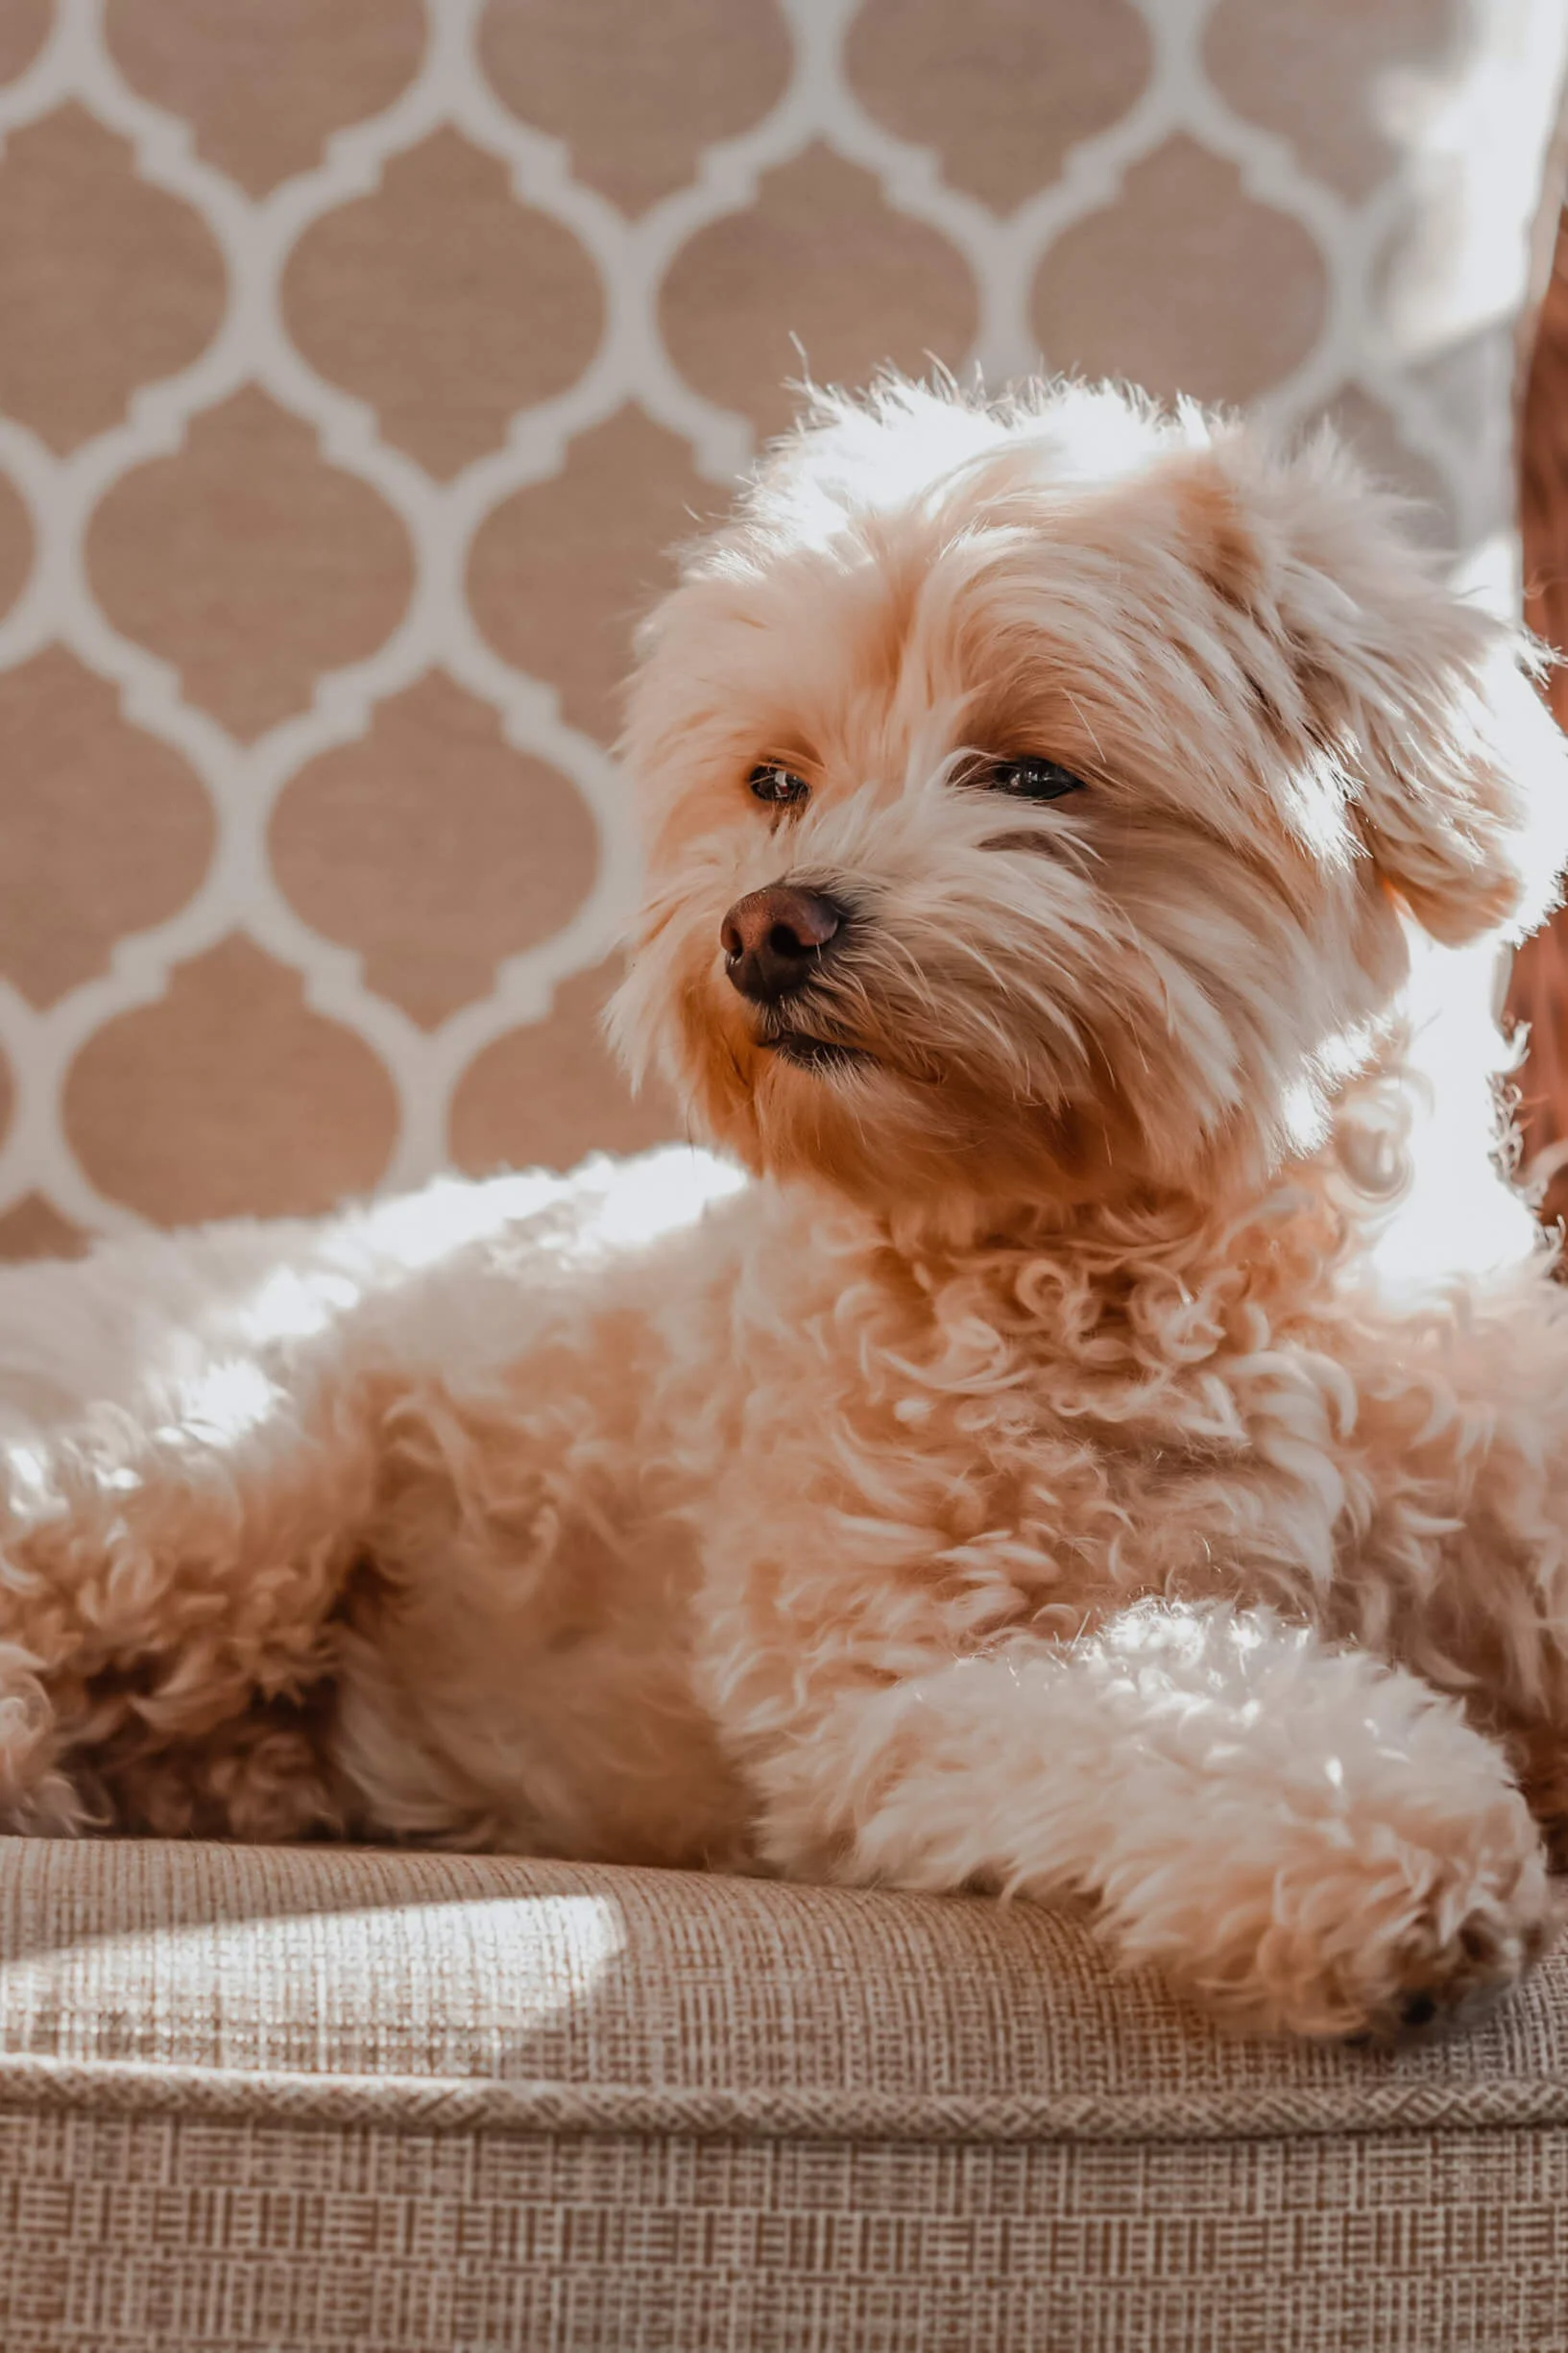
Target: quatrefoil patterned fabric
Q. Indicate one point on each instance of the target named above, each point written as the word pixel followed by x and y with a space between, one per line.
pixel 359 362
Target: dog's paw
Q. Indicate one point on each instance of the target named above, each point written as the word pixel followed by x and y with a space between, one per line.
pixel 1329 1847
pixel 1390 1940
pixel 1448 1972
pixel 1403 1923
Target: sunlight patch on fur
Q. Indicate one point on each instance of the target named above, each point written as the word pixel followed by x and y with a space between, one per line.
pixel 222 1403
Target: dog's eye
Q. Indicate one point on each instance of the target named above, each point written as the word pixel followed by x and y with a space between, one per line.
pixel 773 782
pixel 1031 779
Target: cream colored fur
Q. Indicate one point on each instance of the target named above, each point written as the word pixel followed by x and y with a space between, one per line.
pixel 1114 1449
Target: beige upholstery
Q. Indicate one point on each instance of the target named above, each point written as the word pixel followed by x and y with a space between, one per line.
pixel 322 2100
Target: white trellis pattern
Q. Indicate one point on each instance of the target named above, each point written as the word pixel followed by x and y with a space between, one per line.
pixel 1422 279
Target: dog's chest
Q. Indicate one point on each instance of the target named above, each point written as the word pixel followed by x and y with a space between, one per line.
pixel 1003 1445
pixel 977 1459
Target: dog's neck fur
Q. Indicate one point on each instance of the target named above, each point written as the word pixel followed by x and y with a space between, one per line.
pixel 1284 1244
pixel 1171 1276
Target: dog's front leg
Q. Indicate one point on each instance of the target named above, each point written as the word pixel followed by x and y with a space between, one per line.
pixel 1301 1838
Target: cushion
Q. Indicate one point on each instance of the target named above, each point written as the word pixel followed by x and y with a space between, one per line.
pixel 322 2098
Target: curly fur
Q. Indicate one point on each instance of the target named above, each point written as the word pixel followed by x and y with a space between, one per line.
pixel 1113 1447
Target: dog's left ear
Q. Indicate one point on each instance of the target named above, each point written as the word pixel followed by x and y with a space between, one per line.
pixel 1455 777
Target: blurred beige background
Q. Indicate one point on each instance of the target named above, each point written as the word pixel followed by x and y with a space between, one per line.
pixel 359 361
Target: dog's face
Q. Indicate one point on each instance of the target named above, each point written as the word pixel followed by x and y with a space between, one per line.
pixel 1032 802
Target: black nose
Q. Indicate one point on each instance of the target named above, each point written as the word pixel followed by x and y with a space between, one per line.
pixel 775 939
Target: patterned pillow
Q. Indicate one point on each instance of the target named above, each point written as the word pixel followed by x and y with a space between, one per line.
pixel 360 361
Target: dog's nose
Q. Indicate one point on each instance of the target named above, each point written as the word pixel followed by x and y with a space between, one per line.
pixel 775 938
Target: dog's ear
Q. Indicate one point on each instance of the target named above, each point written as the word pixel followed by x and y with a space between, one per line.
pixel 1455 779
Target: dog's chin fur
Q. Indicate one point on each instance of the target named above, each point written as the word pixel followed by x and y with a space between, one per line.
pixel 1118 1450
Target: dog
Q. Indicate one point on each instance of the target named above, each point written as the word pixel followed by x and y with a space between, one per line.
pixel 1095 1429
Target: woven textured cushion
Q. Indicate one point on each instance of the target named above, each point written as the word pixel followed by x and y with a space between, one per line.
pixel 325 2098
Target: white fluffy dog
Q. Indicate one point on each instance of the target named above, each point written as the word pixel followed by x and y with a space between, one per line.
pixel 1067 1468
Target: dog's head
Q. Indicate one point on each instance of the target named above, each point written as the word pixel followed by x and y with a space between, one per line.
pixel 1034 800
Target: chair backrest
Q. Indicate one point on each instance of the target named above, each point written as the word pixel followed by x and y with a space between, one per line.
pixel 360 362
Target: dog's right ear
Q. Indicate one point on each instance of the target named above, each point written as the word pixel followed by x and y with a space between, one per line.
pixel 1454 779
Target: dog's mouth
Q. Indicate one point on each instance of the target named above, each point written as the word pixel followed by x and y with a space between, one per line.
pixel 820 1055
